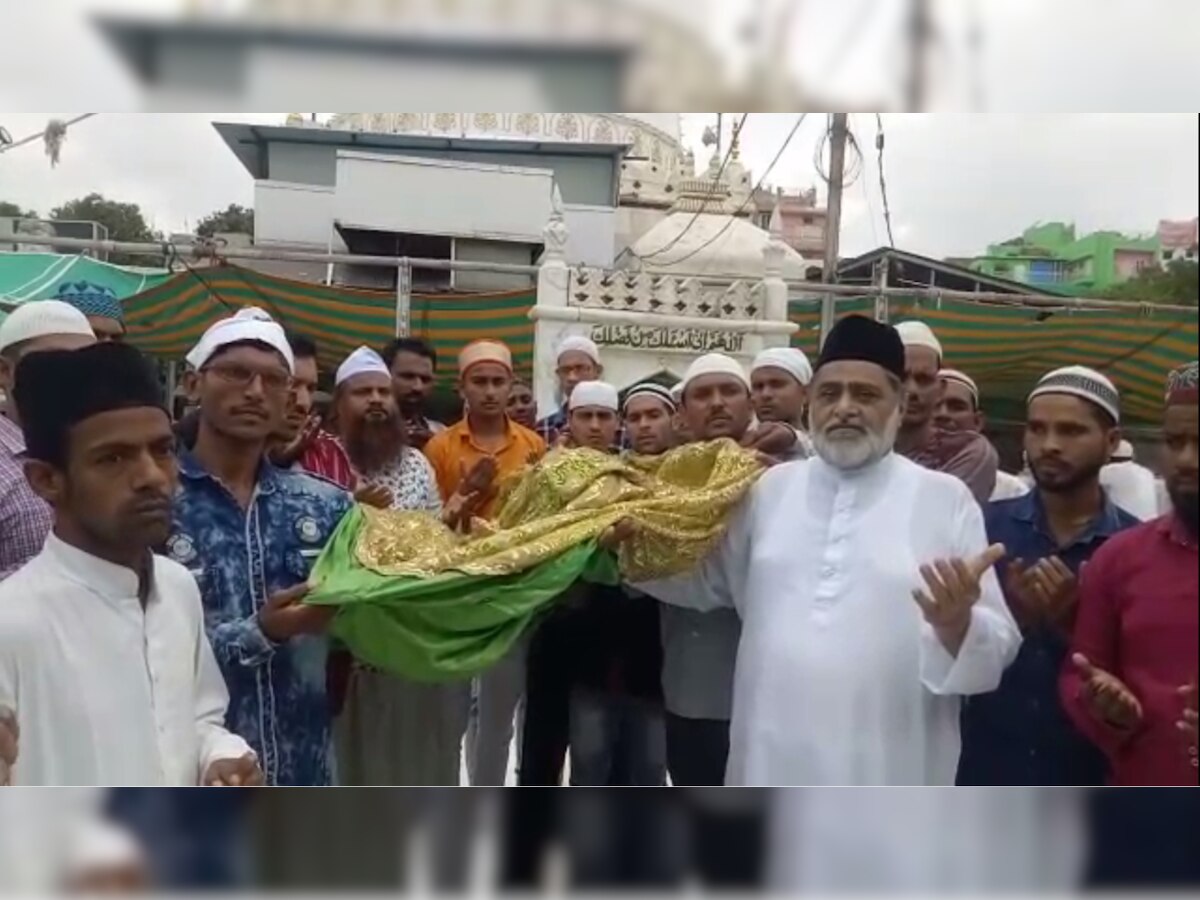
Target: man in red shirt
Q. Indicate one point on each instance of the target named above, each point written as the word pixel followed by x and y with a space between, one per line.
pixel 1131 677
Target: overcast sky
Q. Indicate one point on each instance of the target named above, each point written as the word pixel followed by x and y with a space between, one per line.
pixel 955 182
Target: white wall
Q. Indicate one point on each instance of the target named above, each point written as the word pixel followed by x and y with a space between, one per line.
pixel 287 213
pixel 424 196
pixel 591 234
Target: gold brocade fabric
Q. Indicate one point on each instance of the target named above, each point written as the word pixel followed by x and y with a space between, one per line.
pixel 679 502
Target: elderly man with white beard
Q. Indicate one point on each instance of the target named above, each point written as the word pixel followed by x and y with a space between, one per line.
pixel 865 590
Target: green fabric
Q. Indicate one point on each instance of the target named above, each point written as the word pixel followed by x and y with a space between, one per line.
pixel 36 276
pixel 1006 349
pixel 169 319
pixel 447 627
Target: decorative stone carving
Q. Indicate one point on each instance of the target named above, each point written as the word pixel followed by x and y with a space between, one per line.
pixel 567 127
pixel 486 122
pixel 529 123
pixel 643 292
pixel 556 233
pixel 445 121
pixel 603 133
pixel 408 121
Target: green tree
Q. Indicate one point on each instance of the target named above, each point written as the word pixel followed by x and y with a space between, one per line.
pixel 234 218
pixel 124 222
pixel 11 209
pixel 1178 283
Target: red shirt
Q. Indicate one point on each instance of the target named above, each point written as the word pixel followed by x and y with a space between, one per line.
pixel 1138 619
pixel 325 457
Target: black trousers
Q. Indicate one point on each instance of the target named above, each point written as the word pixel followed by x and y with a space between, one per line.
pixel 549 672
pixel 697 751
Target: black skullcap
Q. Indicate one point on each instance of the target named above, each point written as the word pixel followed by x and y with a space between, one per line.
pixel 859 339
pixel 58 389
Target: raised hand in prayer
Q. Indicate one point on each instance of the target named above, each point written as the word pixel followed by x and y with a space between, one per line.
pixel 286 455
pixel 286 616
pixel 373 495
pixel 954 589
pixel 241 772
pixel 1107 697
pixel 418 433
pixel 480 478
pixel 10 732
pixel 1047 591
pixel 772 439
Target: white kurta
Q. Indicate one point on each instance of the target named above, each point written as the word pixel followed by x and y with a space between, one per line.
pixel 1134 488
pixel 107 693
pixel 840 681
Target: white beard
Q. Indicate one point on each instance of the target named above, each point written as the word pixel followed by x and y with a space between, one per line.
pixel 850 453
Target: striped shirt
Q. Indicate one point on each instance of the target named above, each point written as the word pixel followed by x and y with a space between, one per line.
pixel 25 518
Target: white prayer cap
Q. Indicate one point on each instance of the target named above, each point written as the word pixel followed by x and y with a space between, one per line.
pixel 97 846
pixel 1124 452
pixel 918 334
pixel 961 378
pixel 360 362
pixel 1082 382
pixel 249 324
pixel 791 360
pixel 594 393
pixel 42 318
pixel 714 364
pixel 677 392
pixel 579 344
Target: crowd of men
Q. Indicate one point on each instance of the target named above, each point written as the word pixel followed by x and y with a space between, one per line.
pixel 886 606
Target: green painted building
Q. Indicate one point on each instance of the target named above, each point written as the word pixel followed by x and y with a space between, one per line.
pixel 1052 257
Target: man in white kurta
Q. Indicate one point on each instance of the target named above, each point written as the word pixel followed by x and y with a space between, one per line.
pixel 840 678
pixel 104 663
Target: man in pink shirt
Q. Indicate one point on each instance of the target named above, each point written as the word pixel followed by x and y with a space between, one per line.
pixel 1131 679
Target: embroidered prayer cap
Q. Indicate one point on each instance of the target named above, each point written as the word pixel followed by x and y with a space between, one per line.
pixel 579 344
pixel 91 299
pixel 789 359
pixel 248 325
pixel 42 318
pixel 666 396
pixel 478 352
pixel 961 378
pixel 714 364
pixel 859 339
pixel 362 361
pixel 58 389
pixel 1082 382
pixel 1183 385
pixel 918 334
pixel 599 394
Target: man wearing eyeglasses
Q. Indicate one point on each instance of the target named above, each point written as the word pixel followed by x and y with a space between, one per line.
pixel 250 532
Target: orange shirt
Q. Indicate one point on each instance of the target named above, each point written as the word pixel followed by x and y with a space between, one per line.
pixel 453 453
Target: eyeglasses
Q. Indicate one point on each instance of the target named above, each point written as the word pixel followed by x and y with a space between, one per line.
pixel 275 382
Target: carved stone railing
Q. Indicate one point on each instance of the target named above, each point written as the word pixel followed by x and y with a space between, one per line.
pixel 666 295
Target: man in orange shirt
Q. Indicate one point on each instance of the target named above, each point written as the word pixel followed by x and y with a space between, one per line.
pixel 486 433
pixel 485 449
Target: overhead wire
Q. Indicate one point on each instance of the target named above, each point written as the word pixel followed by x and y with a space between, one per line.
pixel 4 148
pixel 862 183
pixel 887 209
pixel 758 185
pixel 712 191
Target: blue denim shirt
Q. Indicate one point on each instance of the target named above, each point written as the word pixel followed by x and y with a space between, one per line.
pixel 240 557
pixel 1019 734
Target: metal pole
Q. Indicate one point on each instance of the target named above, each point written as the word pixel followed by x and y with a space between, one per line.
pixel 404 299
pixel 920 30
pixel 833 221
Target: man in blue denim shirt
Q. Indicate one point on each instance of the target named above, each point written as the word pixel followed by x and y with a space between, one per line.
pixel 250 533
pixel 1019 734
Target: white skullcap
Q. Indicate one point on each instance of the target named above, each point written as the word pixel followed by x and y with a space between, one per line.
pixel 1082 382
pixel 1124 452
pixel 918 334
pixel 961 378
pixel 579 344
pixel 714 364
pixel 791 360
pixel 249 324
pixel 42 318
pixel 360 362
pixel 594 393
pixel 97 845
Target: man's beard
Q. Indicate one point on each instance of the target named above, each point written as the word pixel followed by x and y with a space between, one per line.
pixel 857 450
pixel 1068 481
pixel 374 443
pixel 1187 507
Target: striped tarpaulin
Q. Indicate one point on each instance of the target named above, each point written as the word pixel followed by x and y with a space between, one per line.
pixel 168 320
pixel 1006 349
